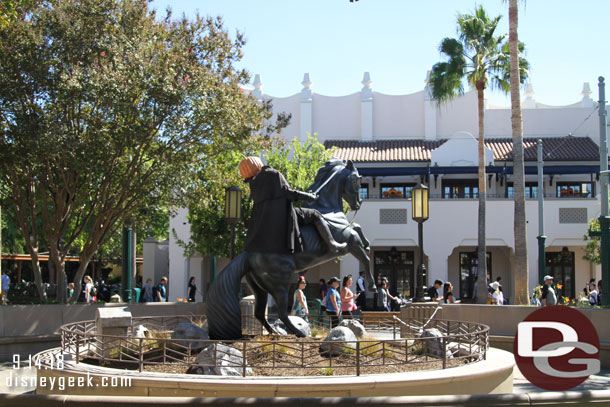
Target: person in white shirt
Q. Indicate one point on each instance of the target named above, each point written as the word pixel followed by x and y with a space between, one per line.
pixel 497 298
pixel 593 297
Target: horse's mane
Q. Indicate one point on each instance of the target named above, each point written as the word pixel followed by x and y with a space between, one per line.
pixel 325 172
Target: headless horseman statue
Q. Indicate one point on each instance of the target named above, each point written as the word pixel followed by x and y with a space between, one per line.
pixel 274 223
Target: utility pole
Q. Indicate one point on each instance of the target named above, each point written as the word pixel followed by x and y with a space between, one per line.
pixel 604 218
pixel 541 236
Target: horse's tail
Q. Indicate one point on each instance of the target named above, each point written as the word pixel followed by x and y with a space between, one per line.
pixel 222 310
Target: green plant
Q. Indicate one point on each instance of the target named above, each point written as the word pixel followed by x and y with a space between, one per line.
pixel 327 371
pixel 319 332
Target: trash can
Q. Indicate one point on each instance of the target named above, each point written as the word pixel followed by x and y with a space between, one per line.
pixel 135 296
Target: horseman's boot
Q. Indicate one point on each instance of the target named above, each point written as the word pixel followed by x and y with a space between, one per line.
pixel 327 237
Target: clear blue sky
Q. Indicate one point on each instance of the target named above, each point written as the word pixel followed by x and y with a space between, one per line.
pixel 397 42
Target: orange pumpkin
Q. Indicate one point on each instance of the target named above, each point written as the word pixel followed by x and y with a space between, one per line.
pixel 250 166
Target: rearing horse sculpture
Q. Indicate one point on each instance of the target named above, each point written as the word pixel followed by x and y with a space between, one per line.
pixel 273 273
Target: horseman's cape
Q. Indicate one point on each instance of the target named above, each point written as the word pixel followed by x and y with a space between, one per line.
pixel 273 226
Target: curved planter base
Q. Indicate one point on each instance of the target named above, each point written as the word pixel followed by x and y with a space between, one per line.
pixel 494 375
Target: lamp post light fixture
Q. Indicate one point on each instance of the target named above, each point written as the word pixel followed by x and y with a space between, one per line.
pixel 233 212
pixel 419 206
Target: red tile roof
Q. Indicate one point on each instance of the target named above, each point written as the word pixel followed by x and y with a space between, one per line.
pixel 415 150
pixel 553 149
pixel 384 150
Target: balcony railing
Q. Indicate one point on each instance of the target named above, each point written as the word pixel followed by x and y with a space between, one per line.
pixel 474 197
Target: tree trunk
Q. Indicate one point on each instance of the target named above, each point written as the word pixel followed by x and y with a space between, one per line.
pixel 38 275
pixel 482 249
pixel 57 259
pixel 520 268
pixel 80 273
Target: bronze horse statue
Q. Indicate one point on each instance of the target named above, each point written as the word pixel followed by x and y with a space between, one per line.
pixel 274 273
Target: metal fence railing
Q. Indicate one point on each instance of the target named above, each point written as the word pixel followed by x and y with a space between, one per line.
pixel 456 342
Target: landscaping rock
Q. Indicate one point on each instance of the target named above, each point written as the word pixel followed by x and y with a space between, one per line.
pixel 299 322
pixel 186 330
pixel 356 327
pixel 338 334
pixel 141 332
pixel 219 360
pixel 434 347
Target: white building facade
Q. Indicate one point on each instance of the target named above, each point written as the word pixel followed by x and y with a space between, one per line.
pixel 400 141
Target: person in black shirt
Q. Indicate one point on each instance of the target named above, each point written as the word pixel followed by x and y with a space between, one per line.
pixel 433 291
pixel 192 289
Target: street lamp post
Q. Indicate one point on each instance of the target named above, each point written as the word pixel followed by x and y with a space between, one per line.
pixel 233 212
pixel 419 202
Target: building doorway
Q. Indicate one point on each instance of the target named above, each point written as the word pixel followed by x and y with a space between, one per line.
pixel 398 267
pixel 469 268
pixel 560 265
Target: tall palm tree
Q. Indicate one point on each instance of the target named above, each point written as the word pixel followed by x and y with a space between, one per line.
pixel 480 57
pixel 520 269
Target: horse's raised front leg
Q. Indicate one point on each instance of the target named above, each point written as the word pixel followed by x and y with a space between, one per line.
pixel 359 251
pixel 260 303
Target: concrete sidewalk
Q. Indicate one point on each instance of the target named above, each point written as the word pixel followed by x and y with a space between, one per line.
pixel 17 381
pixel 600 381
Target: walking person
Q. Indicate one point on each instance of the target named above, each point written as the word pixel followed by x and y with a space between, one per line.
pixel 87 290
pixel 6 281
pixel 299 301
pixel 548 292
pixel 361 291
pixel 384 297
pixel 448 297
pixel 333 302
pixel 323 291
pixel 593 294
pixel 147 295
pixel 161 294
pixel 192 287
pixel 497 297
pixel 347 298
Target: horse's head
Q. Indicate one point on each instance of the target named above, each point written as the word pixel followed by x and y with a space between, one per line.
pixel 351 187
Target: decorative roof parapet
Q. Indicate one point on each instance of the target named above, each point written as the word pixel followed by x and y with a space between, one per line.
pixel 427 87
pixel 367 91
pixel 258 85
pixel 306 93
pixel 586 95
pixel 529 102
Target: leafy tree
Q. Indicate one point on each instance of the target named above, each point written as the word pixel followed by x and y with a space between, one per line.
pixel 593 248
pixel 520 270
pixel 300 162
pixel 106 110
pixel 479 57
pixel 209 231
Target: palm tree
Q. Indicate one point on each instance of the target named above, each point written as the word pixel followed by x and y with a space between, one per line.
pixel 481 58
pixel 520 269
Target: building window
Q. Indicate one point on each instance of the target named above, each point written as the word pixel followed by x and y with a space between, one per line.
pixel 560 265
pixel 469 268
pixel 460 188
pixel 575 190
pixel 364 191
pixel 394 191
pixel 531 190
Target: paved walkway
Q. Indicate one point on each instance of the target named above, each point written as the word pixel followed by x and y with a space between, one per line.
pixel 18 381
pixel 600 381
